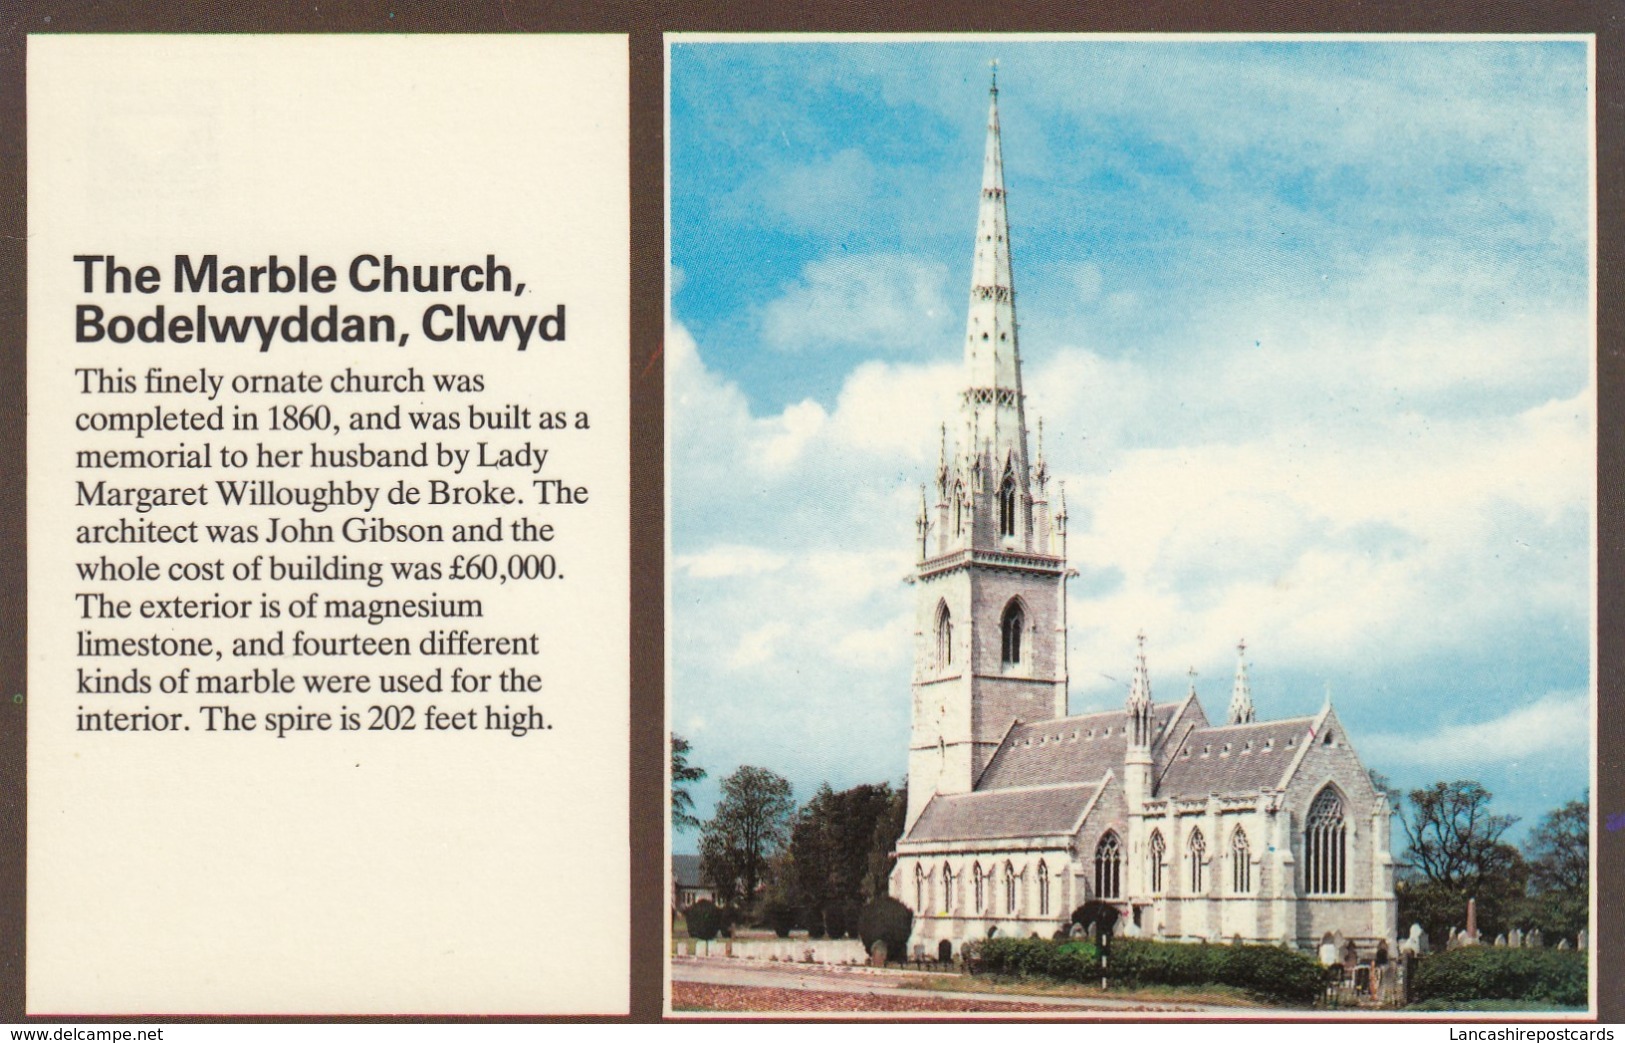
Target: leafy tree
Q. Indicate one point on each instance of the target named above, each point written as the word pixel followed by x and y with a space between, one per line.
pixel 1456 853
pixel 751 824
pixel 1454 838
pixel 1559 855
pixel 841 845
pixel 682 774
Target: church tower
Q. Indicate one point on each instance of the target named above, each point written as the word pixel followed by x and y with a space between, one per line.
pixel 991 579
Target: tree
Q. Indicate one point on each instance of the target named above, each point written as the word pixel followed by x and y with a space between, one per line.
pixel 1456 853
pixel 1454 839
pixel 1559 849
pixel 841 845
pixel 682 774
pixel 751 824
pixel 1559 855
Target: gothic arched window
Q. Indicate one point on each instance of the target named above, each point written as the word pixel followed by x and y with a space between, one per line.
pixel 1043 889
pixel 1009 889
pixel 945 636
pixel 1241 866
pixel 1158 852
pixel 947 888
pixel 1010 633
pixel 1198 850
pixel 919 888
pixel 981 886
pixel 1325 845
pixel 1007 505
pixel 1108 867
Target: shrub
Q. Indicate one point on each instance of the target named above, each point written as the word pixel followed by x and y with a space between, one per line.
pixel 1263 970
pixel 1477 972
pixel 812 918
pixel 704 920
pixel 780 917
pixel 1102 914
pixel 887 920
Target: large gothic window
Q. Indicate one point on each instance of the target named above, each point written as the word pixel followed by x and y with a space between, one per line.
pixel 1010 633
pixel 1043 889
pixel 980 880
pixel 1158 852
pixel 1198 857
pixel 947 888
pixel 1241 865
pixel 945 636
pixel 919 889
pixel 1009 889
pixel 1325 846
pixel 1007 506
pixel 1108 867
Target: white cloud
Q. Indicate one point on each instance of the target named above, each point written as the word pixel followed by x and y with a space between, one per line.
pixel 889 304
pixel 1556 725
pixel 729 560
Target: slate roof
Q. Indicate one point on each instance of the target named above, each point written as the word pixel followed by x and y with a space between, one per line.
pixel 685 871
pixel 994 814
pixel 1257 759
pixel 1065 751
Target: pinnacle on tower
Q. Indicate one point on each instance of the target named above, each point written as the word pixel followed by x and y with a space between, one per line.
pixel 1241 696
pixel 1139 700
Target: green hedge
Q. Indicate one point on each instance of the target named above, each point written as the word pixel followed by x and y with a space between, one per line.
pixel 1263 970
pixel 1481 972
pixel 704 920
pixel 1276 974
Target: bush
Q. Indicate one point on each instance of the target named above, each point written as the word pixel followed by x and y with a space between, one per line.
pixel 780 917
pixel 1263 970
pixel 1103 915
pixel 704 920
pixel 1477 972
pixel 812 918
pixel 886 920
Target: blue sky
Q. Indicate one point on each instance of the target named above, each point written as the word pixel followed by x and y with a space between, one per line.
pixel 1308 324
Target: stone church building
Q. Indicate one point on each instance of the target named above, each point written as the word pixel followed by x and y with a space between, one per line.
pixel 1193 828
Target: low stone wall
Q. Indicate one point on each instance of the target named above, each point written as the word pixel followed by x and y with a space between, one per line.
pixel 781 950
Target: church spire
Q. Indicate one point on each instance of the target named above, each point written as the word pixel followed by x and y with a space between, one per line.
pixel 992 408
pixel 1139 699
pixel 1241 696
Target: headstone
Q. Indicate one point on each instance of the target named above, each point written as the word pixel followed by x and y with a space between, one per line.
pixel 1328 952
pixel 1131 930
pixel 1535 941
pixel 1418 939
pixel 945 951
pixel 1563 943
pixel 1500 941
pixel 877 953
pixel 1580 942
pixel 1515 939
pixel 1077 930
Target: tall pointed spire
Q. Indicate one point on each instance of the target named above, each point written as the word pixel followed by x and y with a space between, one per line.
pixel 1241 696
pixel 994 425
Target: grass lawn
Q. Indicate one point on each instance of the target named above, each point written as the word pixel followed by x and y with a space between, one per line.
pixel 1492 1006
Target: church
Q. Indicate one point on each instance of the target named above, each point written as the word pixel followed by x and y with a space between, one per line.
pixel 1193 829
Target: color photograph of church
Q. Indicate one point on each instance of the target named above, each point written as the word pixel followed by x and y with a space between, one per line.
pixel 1158 582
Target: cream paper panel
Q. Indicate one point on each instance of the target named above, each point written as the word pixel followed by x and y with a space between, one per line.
pixel 343 871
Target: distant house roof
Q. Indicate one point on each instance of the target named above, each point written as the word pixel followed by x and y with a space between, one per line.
pixel 685 871
pixel 992 814
pixel 1234 759
pixel 1069 750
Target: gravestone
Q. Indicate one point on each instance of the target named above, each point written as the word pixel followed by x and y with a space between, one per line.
pixel 877 953
pixel 1418 939
pixel 1563 944
pixel 1500 941
pixel 1580 942
pixel 1535 939
pixel 945 951
pixel 1515 939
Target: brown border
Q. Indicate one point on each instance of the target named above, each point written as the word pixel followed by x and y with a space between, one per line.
pixel 645 22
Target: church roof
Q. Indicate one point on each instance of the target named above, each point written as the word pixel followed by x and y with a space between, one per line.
pixel 1065 751
pixel 1234 759
pixel 993 814
pixel 685 871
